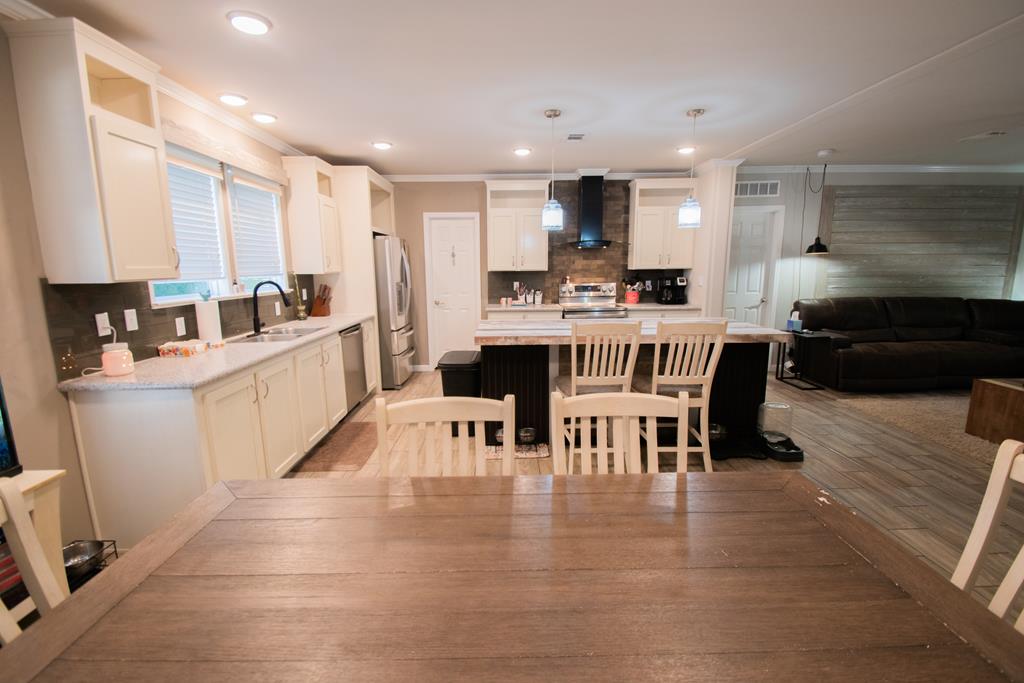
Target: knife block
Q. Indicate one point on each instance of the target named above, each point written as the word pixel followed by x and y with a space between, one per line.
pixel 321 308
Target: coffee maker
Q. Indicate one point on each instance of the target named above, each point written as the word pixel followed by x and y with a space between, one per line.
pixel 672 290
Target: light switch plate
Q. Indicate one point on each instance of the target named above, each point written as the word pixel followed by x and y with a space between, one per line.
pixel 179 325
pixel 277 308
pixel 304 297
pixel 103 327
pixel 131 320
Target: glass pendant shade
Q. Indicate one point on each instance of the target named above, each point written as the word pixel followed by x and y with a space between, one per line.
pixel 551 217
pixel 689 214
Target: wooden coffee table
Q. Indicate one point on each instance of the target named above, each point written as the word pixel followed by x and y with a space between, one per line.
pixel 996 412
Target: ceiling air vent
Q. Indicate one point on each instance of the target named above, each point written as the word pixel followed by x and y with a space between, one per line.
pixel 757 188
pixel 575 136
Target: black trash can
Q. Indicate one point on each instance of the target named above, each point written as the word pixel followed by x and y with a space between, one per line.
pixel 460 376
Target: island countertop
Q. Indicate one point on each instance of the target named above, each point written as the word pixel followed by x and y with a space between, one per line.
pixel 215 364
pixel 554 332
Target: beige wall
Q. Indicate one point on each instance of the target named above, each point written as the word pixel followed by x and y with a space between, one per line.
pixel 39 413
pixel 412 200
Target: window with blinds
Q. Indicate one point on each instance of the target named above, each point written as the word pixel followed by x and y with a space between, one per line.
pixel 256 229
pixel 194 208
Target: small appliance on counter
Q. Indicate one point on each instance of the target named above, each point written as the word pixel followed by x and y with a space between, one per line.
pixel 672 290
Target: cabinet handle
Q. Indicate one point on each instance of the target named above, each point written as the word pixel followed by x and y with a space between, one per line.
pixel 327 357
pixel 522 260
pixel 177 258
pixel 660 257
pixel 255 394
pixel 266 389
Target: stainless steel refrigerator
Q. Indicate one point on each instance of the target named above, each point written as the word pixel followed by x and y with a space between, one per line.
pixel 394 294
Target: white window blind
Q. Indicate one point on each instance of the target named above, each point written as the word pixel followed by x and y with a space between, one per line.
pixel 195 200
pixel 256 227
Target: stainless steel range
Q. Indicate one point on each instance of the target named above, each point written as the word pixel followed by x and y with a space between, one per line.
pixel 590 300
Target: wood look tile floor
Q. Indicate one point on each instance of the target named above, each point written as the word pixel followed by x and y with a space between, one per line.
pixel 921 494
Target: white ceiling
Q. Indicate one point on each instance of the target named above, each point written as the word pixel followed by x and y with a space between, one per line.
pixel 456 84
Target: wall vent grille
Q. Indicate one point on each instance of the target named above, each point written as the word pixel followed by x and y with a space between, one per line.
pixel 757 188
pixel 576 136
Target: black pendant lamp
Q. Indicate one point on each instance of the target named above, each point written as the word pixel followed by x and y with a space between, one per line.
pixel 817 248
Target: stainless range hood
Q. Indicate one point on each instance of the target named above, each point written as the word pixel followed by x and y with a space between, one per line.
pixel 591 218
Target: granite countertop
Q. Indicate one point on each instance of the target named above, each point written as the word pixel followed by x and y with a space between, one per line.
pixel 215 364
pixel 551 332
pixel 527 307
pixel 557 307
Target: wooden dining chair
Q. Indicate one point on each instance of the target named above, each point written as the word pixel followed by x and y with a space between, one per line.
pixel 43 589
pixel 609 356
pixel 434 418
pixel 593 414
pixel 685 359
pixel 1007 470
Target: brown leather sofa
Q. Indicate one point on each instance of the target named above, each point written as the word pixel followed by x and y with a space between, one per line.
pixel 909 343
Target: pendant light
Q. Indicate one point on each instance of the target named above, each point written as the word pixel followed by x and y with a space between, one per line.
pixel 817 247
pixel 689 210
pixel 552 218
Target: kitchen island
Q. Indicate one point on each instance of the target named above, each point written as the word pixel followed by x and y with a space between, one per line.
pixel 522 358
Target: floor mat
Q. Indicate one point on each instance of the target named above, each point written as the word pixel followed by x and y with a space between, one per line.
pixel 345 450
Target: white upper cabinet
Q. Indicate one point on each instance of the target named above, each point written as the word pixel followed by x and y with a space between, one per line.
pixel 95 154
pixel 515 240
pixel 655 243
pixel 313 225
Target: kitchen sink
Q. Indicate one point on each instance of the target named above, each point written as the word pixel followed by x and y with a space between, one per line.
pixel 292 331
pixel 277 337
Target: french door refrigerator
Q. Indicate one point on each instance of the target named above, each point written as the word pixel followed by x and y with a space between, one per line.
pixel 394 294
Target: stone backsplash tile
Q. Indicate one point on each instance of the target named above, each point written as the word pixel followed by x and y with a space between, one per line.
pixel 582 265
pixel 71 309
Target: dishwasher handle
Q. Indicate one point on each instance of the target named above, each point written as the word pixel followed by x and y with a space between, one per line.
pixel 352 331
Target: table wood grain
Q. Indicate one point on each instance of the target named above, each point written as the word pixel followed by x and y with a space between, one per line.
pixel 729 576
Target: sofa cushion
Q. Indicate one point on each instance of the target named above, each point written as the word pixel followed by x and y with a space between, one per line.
pixel 997 314
pixel 928 318
pixel 975 358
pixel 852 313
pixel 888 359
pixel 862 336
pixel 1008 337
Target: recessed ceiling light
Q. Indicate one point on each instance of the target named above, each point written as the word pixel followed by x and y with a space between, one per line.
pixel 260 117
pixel 249 22
pixel 826 153
pixel 522 151
pixel 382 145
pixel 686 150
pixel 233 100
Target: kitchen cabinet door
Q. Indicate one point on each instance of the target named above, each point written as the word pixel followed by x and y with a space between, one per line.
pixel 502 240
pixel 334 380
pixel 370 352
pixel 279 419
pixel 131 174
pixel 309 375
pixel 679 243
pixel 331 236
pixel 532 240
pixel 233 431
pixel 648 247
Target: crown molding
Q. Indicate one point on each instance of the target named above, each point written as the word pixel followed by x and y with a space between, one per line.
pixel 482 177
pixel 179 92
pixel 20 10
pixel 886 168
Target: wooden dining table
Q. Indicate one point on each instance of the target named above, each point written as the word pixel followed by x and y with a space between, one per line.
pixel 722 576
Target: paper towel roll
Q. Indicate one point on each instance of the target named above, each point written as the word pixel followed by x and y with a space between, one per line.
pixel 208 320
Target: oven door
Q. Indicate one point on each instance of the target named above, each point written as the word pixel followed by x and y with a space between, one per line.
pixel 592 313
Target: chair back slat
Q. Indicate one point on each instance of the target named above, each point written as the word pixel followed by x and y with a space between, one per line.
pixel 1007 469
pixel 43 589
pixel 691 353
pixel 633 419
pixel 609 354
pixel 434 420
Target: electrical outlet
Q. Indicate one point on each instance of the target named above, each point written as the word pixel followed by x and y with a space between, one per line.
pixel 103 327
pixel 304 297
pixel 131 320
pixel 179 325
pixel 277 308
pixel 647 285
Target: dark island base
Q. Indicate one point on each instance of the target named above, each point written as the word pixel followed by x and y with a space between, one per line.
pixel 737 392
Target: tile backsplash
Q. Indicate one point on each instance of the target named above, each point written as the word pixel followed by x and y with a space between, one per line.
pixel 582 265
pixel 71 310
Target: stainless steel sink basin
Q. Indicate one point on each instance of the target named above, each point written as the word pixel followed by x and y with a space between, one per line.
pixel 266 338
pixel 293 331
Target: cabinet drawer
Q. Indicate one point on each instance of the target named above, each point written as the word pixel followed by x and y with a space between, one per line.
pixel 524 315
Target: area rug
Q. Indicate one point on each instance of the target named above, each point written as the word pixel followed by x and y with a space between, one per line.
pixel 345 450
pixel 938 419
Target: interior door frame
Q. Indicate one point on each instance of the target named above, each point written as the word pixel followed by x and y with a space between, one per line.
pixel 428 269
pixel 771 285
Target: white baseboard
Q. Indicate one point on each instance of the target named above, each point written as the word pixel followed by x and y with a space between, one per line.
pixel 422 368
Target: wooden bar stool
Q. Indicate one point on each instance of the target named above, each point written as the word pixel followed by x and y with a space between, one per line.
pixel 691 353
pixel 609 356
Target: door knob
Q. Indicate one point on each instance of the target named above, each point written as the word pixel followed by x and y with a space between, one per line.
pixel 437 302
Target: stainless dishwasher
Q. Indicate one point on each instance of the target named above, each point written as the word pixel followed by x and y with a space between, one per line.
pixel 355 366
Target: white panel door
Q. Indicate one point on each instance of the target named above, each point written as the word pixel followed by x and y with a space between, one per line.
pixel 233 431
pixel 331 236
pixel 532 239
pixel 309 375
pixel 279 416
pixel 454 284
pixel 502 241
pixel 746 281
pixel 334 380
pixel 679 243
pixel 649 245
pixel 131 173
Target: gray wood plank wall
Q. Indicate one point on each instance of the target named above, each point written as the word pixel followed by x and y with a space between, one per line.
pixel 917 240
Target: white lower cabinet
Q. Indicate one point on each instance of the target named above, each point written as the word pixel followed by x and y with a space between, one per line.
pixel 279 424
pixel 527 314
pixel 334 380
pixel 233 431
pixel 309 370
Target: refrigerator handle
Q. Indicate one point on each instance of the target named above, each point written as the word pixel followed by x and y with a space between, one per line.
pixel 406 279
